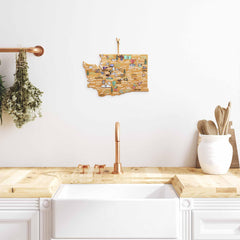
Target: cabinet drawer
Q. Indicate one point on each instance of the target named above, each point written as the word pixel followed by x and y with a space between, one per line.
pixel 216 224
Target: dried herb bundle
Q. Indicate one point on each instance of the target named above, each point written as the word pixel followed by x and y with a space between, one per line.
pixel 2 95
pixel 22 100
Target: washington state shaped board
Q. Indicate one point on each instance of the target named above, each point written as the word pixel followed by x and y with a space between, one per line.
pixel 118 74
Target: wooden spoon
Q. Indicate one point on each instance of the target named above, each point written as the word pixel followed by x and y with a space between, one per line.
pixel 201 126
pixel 210 128
pixel 219 116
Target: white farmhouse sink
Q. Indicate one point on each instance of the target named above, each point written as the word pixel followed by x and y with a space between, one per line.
pixel 115 211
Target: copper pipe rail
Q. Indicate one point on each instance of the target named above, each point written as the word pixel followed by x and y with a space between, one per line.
pixel 37 50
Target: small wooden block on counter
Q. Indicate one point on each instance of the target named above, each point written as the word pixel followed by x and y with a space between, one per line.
pixel 207 186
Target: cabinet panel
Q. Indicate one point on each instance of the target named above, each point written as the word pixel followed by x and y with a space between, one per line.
pixel 19 225
pixel 106 219
pixel 216 224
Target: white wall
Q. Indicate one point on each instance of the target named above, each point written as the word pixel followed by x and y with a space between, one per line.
pixel 194 59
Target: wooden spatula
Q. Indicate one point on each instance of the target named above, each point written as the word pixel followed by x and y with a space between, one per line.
pixel 219 116
pixel 226 119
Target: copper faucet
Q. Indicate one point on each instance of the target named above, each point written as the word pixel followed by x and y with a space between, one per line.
pixel 117 165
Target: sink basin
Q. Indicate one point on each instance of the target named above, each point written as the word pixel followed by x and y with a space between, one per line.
pixel 115 211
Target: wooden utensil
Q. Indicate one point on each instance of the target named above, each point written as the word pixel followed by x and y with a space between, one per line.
pixel 226 119
pixel 201 126
pixel 210 128
pixel 219 116
pixel 207 127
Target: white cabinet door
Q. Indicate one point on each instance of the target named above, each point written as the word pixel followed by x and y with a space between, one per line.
pixel 216 224
pixel 19 225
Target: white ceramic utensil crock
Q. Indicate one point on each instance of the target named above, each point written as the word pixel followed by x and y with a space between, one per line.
pixel 215 153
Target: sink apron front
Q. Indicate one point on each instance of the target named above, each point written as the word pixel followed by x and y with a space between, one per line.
pixel 115 218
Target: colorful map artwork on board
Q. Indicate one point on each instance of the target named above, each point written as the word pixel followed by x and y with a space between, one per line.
pixel 118 74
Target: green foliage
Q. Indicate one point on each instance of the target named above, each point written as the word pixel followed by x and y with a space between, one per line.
pixel 2 95
pixel 22 100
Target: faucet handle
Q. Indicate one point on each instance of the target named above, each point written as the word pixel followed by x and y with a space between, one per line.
pixel 83 167
pixel 99 167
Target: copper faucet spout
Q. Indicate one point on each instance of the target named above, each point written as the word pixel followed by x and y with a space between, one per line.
pixel 117 132
pixel 117 164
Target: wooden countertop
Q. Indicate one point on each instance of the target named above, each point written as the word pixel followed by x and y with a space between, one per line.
pixel 188 182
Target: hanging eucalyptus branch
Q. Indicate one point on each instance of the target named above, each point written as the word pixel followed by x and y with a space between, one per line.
pixel 2 95
pixel 22 100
